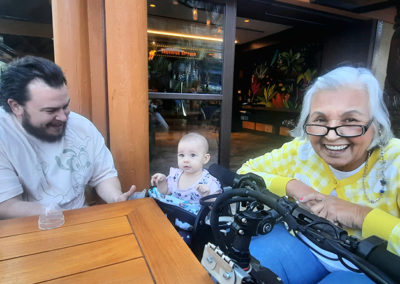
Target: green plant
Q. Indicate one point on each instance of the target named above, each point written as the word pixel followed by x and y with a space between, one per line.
pixel 306 77
pixel 290 63
pixel 261 70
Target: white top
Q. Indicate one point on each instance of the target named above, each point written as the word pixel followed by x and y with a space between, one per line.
pixel 52 172
pixel 191 194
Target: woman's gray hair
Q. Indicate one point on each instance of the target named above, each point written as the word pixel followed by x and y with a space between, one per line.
pixel 352 78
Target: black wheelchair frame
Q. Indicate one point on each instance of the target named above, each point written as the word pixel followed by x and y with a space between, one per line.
pixel 251 218
pixel 201 231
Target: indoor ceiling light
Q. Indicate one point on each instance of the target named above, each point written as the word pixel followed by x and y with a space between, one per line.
pixel 246 20
pixel 173 34
pixel 152 5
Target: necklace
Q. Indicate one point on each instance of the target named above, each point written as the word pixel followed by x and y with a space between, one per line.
pixel 382 177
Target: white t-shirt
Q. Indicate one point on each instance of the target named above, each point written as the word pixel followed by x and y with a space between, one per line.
pixel 55 172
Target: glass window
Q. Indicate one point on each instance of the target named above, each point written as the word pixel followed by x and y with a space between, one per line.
pixel 26 29
pixel 171 119
pixel 185 51
pixel 185 46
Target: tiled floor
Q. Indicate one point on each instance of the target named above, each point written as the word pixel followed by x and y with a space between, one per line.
pixel 244 145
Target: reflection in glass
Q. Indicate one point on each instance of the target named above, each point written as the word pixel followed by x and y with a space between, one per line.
pixel 171 119
pixel 185 47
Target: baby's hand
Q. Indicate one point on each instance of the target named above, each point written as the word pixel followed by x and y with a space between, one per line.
pixel 157 178
pixel 203 189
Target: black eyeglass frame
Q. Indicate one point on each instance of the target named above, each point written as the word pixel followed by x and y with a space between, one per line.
pixel 363 127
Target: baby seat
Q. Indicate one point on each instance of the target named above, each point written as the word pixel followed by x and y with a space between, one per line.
pixel 190 220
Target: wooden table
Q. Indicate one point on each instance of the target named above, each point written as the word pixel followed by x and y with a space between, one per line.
pixel 126 242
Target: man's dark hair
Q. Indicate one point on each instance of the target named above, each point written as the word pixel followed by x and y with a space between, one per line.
pixel 20 72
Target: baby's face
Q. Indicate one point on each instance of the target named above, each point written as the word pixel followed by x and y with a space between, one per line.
pixel 192 156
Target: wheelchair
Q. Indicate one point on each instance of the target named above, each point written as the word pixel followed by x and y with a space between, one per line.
pixel 201 232
pixel 223 230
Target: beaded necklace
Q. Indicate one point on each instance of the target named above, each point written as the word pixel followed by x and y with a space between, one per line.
pixel 381 176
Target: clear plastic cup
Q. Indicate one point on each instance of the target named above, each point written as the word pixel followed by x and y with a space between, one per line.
pixel 52 217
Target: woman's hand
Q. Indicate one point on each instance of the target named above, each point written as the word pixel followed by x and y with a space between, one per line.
pixel 297 189
pixel 338 211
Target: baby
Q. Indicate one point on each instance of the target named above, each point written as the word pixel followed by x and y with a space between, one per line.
pixel 190 182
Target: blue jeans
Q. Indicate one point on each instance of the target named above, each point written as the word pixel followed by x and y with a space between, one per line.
pixel 293 261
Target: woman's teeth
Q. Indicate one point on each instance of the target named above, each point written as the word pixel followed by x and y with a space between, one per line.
pixel 336 147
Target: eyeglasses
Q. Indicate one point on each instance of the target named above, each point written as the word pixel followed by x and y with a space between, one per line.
pixel 347 131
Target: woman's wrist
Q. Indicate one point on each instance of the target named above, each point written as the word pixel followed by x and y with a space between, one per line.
pixel 290 188
pixel 297 189
pixel 362 212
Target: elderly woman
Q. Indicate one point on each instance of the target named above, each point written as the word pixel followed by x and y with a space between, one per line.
pixel 342 166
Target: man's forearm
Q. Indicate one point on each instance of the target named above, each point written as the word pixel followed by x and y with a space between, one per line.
pixel 16 207
pixel 109 190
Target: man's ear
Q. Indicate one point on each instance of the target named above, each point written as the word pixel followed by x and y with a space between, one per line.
pixel 16 108
pixel 206 158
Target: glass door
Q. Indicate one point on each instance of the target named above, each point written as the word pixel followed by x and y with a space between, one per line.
pixel 189 85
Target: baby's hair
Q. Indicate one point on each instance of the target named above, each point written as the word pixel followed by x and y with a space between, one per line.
pixel 195 136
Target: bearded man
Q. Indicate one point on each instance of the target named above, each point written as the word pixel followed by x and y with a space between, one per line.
pixel 48 154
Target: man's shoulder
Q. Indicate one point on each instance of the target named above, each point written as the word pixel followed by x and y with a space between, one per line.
pixel 3 114
pixel 78 121
pixel 6 119
pixel 80 128
pixel 76 117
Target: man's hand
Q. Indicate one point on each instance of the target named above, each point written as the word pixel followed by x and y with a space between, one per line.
pixel 110 190
pixel 125 196
pixel 203 189
pixel 338 211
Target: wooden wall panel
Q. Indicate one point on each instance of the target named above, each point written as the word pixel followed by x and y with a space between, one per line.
pixel 108 87
pixel 126 44
pixel 97 54
pixel 71 51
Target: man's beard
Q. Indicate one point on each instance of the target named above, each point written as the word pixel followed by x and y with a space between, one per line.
pixel 40 132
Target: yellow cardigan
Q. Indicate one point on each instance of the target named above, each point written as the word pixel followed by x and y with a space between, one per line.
pixel 297 159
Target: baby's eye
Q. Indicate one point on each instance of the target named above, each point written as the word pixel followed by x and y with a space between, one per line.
pixel 192 155
pixel 181 155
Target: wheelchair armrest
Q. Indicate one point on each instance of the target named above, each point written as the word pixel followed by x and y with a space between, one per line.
pixel 173 212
